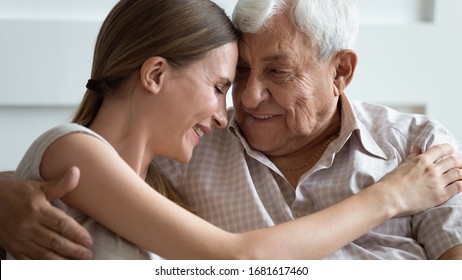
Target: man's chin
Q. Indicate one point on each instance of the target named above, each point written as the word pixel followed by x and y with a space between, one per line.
pixel 262 143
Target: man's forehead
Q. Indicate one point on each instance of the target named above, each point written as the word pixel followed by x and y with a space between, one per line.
pixel 267 36
pixel 272 48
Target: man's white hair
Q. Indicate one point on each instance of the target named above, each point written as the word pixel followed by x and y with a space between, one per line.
pixel 330 25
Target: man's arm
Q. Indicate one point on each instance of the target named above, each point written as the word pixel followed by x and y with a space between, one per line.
pixel 455 253
pixel 32 228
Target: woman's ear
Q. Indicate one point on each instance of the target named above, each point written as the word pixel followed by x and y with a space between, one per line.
pixel 152 73
pixel 345 65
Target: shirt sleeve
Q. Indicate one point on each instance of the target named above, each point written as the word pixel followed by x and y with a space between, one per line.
pixel 440 228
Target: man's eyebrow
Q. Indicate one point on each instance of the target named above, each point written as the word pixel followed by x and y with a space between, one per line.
pixel 225 81
pixel 277 57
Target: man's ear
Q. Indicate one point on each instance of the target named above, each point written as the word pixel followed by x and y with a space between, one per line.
pixel 345 65
pixel 152 73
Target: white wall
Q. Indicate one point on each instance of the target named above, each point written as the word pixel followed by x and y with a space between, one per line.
pixel 413 59
pixel 409 53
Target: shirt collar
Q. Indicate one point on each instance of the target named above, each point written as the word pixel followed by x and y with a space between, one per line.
pixel 355 125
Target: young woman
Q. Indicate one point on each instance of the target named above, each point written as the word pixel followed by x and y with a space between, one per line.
pixel 160 74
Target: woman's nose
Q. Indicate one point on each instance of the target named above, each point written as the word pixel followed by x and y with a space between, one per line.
pixel 220 117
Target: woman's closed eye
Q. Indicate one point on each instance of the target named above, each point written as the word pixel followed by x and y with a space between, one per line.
pixel 219 89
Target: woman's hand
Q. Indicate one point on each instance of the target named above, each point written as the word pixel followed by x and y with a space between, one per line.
pixel 424 180
pixel 32 228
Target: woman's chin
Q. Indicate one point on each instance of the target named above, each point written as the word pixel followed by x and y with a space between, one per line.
pixel 184 157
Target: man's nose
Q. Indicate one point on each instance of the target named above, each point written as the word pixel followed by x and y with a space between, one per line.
pixel 255 91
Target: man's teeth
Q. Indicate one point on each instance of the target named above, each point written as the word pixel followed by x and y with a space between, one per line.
pixel 263 117
pixel 198 131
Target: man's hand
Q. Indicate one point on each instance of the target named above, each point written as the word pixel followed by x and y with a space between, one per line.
pixel 34 229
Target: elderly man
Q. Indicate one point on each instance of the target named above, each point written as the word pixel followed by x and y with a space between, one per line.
pixel 297 144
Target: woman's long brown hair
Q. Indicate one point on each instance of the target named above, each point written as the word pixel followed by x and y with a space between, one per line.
pixel 181 31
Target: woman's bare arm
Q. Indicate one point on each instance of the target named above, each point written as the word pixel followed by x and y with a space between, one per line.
pixel 153 222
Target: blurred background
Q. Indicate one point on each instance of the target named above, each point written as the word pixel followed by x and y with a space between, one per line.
pixel 410 58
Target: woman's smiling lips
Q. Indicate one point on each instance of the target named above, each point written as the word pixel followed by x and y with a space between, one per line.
pixel 201 130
